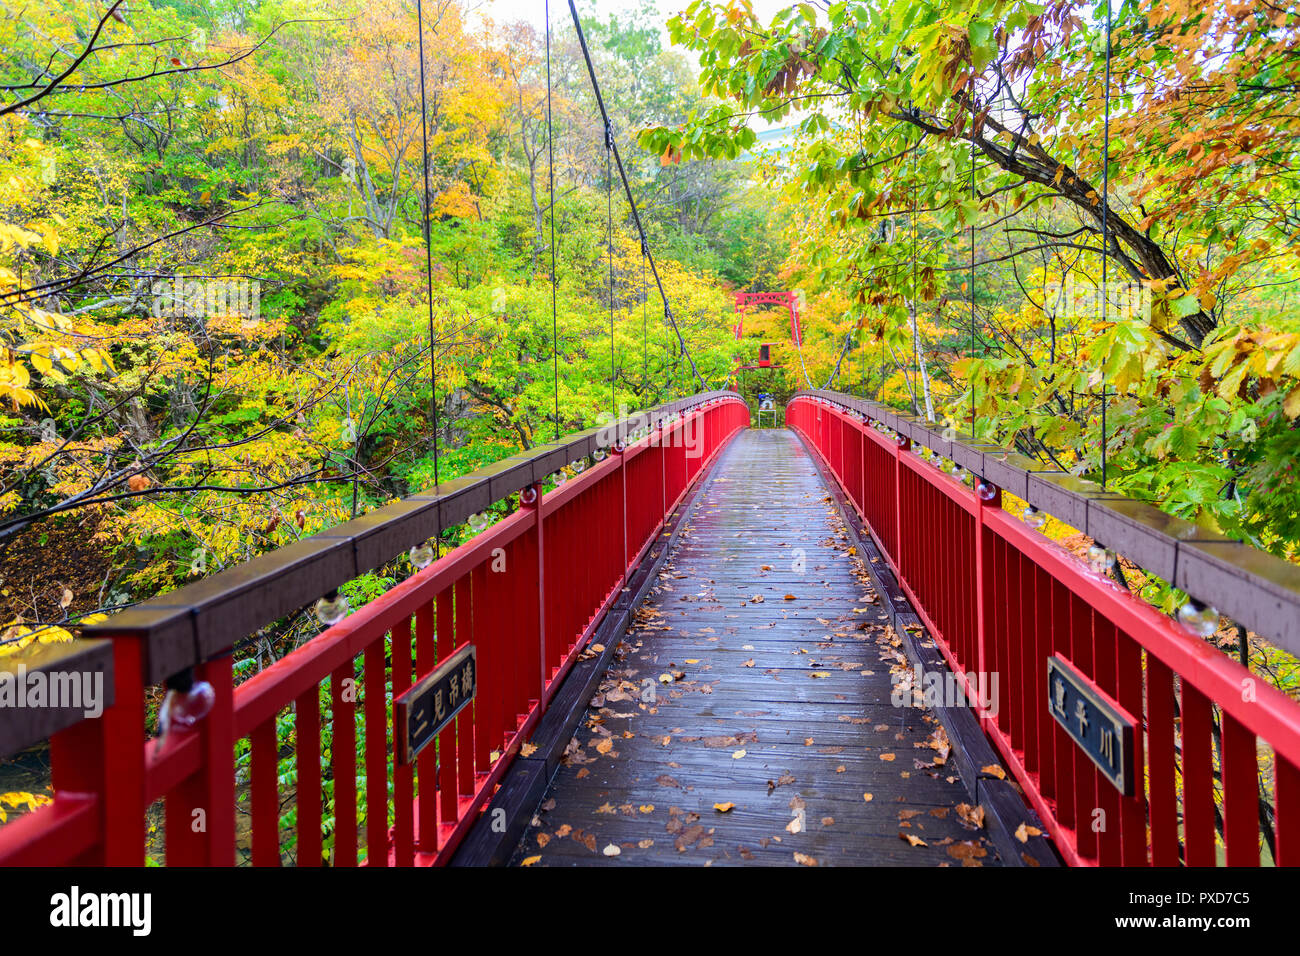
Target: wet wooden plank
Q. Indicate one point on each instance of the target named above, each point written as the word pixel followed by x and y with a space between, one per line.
pixel 758 674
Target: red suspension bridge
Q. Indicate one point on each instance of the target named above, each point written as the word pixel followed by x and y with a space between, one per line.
pixel 735 633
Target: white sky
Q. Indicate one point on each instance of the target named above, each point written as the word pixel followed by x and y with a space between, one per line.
pixel 505 11
pixel 534 11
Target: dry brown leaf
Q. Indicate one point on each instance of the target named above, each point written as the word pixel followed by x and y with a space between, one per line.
pixel 1025 831
pixel 971 816
pixel 969 853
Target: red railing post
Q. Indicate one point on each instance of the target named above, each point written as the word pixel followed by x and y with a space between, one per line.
pixel 900 449
pixel 985 581
pixel 105 758
pixel 538 522
pixel 622 501
pixel 218 730
pixel 862 469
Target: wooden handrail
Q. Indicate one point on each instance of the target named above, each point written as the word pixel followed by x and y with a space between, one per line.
pixel 199 621
pixel 1253 587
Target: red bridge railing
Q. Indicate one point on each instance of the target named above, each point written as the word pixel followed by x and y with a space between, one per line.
pixel 1000 598
pixel 526 593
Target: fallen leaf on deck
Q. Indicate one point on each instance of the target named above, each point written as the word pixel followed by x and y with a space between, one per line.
pixel 971 816
pixel 968 853
pixel 1025 831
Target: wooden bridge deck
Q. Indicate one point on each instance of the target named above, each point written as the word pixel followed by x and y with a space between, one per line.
pixel 770 738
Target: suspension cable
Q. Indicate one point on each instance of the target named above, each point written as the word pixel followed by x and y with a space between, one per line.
pixel 627 188
pixel 609 250
pixel 428 248
pixel 1105 229
pixel 973 429
pixel 916 322
pixel 645 324
pixel 550 175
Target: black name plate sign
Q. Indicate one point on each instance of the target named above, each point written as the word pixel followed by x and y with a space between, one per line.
pixel 425 709
pixel 1094 720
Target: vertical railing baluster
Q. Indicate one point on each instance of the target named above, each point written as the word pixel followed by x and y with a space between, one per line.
pixel 343 753
pixel 1198 778
pixel 456 742
pixel 1240 775
pixel 403 773
pixel 426 764
pixel 307 728
pixel 1110 841
pixel 1162 766
pixel 1063 747
pixel 376 754
pixel 1128 691
pixel 264 793
pixel 1286 803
